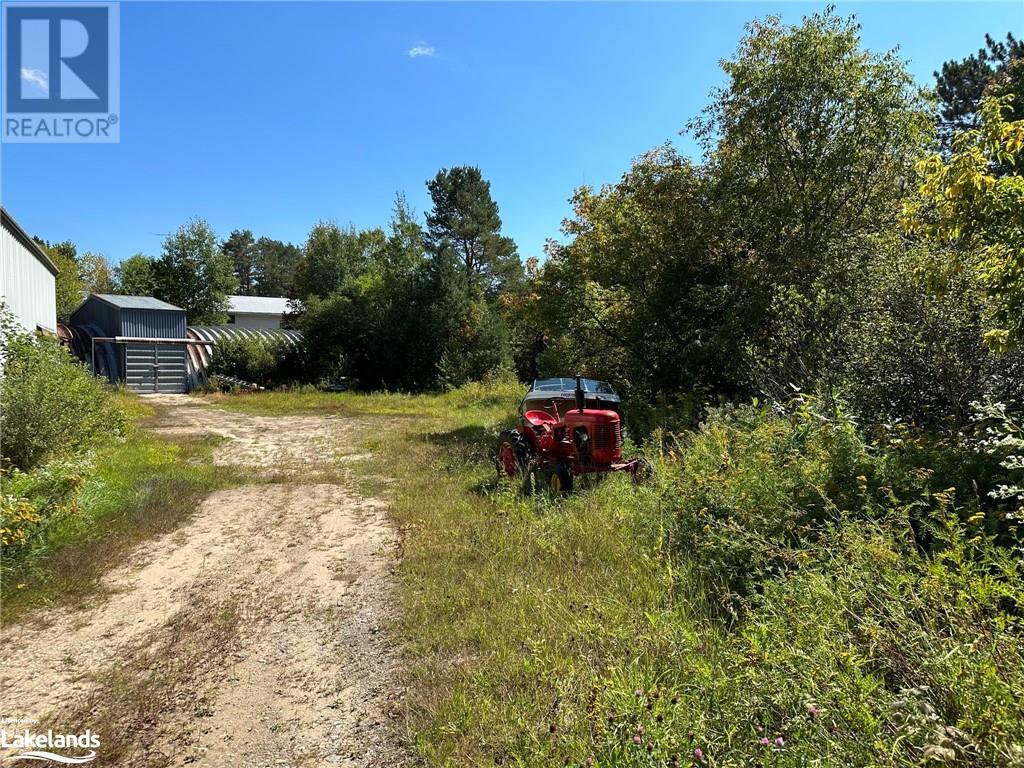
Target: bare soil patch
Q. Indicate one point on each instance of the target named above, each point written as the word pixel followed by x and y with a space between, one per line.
pixel 254 635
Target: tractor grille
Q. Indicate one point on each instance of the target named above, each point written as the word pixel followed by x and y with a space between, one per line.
pixel 608 436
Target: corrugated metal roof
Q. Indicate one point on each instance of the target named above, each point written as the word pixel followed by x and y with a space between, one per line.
pixel 258 305
pixel 135 302
pixel 218 332
pixel 199 356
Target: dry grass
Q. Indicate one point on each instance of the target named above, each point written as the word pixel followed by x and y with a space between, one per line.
pixel 156 681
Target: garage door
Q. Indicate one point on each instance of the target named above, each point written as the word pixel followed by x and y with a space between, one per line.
pixel 155 367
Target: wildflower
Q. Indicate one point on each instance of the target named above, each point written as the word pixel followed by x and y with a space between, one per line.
pixel 759 728
pixel 639 692
pixel 637 739
pixel 689 734
pixel 640 730
pixel 812 712
pixel 590 760
pixel 764 741
pixel 698 754
pixel 779 741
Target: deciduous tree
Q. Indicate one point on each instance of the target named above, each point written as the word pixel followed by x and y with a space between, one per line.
pixel 134 276
pixel 973 202
pixel 194 274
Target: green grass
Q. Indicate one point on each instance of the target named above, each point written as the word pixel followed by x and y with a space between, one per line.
pixel 542 631
pixel 500 394
pixel 130 491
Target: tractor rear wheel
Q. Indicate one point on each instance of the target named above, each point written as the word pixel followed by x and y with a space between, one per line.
pixel 513 454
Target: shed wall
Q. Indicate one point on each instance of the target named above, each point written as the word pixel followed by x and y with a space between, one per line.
pixel 96 312
pixel 28 288
pixel 153 323
pixel 264 322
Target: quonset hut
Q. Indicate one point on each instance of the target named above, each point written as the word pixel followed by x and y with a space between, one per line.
pixel 137 340
pixel 200 355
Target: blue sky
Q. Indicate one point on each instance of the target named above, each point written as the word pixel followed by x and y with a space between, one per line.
pixel 270 116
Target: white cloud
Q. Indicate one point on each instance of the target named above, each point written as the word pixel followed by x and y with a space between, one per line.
pixel 420 49
pixel 35 77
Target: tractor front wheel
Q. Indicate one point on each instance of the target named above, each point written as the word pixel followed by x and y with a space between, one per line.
pixel 559 479
pixel 513 454
pixel 643 471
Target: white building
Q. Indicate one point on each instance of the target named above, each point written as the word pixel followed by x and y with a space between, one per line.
pixel 27 279
pixel 257 311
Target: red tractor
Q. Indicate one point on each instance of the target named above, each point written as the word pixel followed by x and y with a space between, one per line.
pixel 567 428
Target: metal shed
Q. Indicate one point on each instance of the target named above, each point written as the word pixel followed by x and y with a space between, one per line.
pixel 138 340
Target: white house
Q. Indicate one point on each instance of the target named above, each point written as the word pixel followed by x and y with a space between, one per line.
pixel 257 311
pixel 27 278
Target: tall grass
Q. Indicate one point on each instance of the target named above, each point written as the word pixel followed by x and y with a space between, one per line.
pixel 781 595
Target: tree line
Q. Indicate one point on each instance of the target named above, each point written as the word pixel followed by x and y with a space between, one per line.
pixel 843 231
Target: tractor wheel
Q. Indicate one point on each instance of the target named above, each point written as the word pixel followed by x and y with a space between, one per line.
pixel 644 471
pixel 513 454
pixel 559 479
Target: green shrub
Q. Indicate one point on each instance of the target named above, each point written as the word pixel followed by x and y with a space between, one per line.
pixel 51 406
pixel 265 362
pixel 874 653
pixel 751 485
pixel 53 416
pixel 33 502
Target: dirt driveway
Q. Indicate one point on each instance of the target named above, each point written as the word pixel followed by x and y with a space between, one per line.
pixel 254 635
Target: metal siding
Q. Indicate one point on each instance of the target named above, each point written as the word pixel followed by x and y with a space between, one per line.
pixel 261 322
pixel 135 361
pixel 138 367
pixel 156 323
pixel 97 313
pixel 26 285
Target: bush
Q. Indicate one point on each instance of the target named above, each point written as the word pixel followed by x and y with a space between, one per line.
pixel 751 485
pixel 33 502
pixel 265 362
pixel 754 490
pixel 919 358
pixel 54 414
pixel 51 406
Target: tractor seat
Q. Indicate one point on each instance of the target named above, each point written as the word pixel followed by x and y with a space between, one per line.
pixel 539 418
